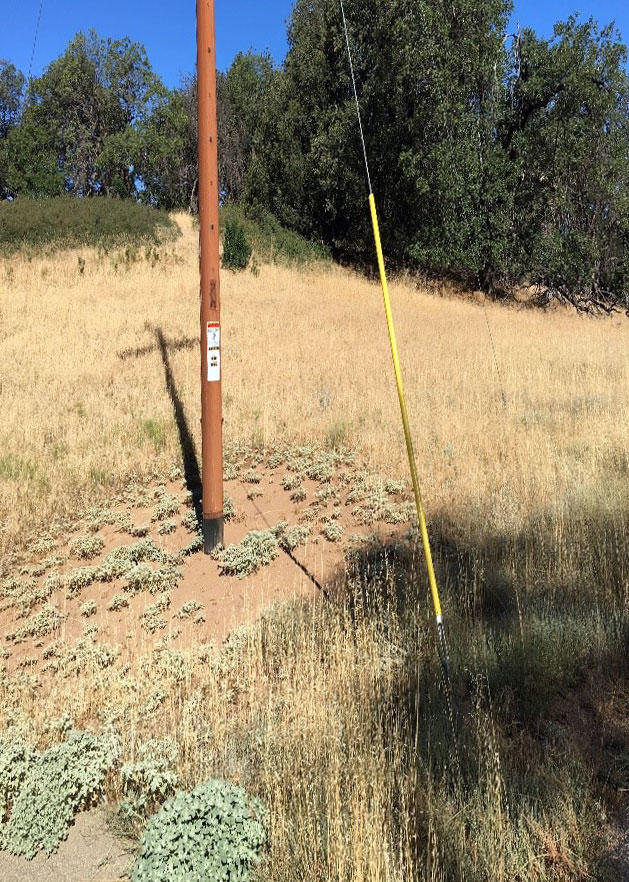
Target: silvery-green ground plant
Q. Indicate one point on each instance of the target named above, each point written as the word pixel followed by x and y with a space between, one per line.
pixel 149 779
pixel 86 547
pixel 259 548
pixel 44 791
pixel 217 832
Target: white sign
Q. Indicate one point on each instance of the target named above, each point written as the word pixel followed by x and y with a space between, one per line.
pixel 213 352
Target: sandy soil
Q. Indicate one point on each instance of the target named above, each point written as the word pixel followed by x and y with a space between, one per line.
pixel 90 854
pixel 225 601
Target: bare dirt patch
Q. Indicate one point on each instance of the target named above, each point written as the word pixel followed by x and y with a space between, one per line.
pixel 122 579
pixel 91 853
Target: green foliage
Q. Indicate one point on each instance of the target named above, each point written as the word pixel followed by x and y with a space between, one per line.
pixel 46 621
pixel 258 549
pixel 88 609
pixel 84 655
pixel 78 123
pixel 42 792
pixel 16 758
pixel 251 476
pixel 167 506
pixel 294 536
pixel 118 602
pixel 165 156
pixel 271 242
pixel 332 531
pixel 188 609
pixel 215 832
pixel 242 93
pixel 14 468
pixel 11 94
pixel 236 248
pixel 24 594
pixel 500 165
pixel 121 560
pixel 190 521
pixel 504 165
pixel 80 578
pixel 152 619
pixel 143 577
pixel 86 547
pixel 568 129
pixel 155 431
pixel 65 222
pixel 374 503
pixel 149 780
pixel 166 150
pixel 229 509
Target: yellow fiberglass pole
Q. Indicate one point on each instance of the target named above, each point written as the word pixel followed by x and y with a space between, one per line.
pixel 407 430
pixel 443 649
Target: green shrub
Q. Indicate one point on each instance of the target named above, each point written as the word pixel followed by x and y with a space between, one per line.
pixel 270 241
pixel 42 792
pixel 152 619
pixel 294 536
pixel 332 531
pixel 64 222
pixel 16 758
pixel 149 780
pixel 46 621
pixel 236 246
pixel 257 549
pixel 166 507
pixel 144 578
pixel 215 833
pixel 118 602
pixel 86 547
pixel 121 560
pixel 88 609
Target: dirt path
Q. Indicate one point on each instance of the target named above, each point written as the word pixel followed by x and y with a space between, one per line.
pixel 90 854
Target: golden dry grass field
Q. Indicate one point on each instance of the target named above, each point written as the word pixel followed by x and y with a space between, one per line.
pixel 306 358
pixel 334 713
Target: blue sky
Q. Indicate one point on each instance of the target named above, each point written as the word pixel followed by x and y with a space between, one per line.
pixel 168 29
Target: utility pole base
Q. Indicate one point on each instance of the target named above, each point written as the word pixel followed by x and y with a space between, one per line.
pixel 212 534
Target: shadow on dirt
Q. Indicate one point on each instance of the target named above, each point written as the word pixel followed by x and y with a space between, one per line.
pixel 192 473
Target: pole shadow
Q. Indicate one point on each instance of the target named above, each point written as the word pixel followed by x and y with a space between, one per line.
pixel 289 554
pixel 192 473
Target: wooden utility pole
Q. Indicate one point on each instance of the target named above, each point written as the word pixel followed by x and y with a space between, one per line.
pixel 211 402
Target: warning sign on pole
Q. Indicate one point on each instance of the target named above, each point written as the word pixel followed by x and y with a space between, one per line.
pixel 213 352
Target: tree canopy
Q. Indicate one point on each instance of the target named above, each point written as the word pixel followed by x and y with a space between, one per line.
pixel 498 159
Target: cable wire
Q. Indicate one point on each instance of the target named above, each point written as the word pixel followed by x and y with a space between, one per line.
pixel 495 354
pixel 360 121
pixel 37 23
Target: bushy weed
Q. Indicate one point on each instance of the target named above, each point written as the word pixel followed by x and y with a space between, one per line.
pixel 216 832
pixel 63 222
pixel 42 792
pixel 46 621
pixel 86 547
pixel 259 548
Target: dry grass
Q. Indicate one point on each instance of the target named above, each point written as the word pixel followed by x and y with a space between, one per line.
pixel 306 357
pixel 334 713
